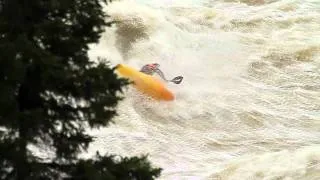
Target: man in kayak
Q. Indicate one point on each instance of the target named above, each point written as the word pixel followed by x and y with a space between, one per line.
pixel 150 69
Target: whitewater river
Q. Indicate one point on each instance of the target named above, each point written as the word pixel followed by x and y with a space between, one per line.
pixel 249 104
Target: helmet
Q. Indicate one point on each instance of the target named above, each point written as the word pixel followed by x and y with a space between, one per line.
pixel 154 65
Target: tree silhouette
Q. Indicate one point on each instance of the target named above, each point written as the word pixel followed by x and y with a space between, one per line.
pixel 50 92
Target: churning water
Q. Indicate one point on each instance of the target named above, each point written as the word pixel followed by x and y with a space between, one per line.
pixel 249 104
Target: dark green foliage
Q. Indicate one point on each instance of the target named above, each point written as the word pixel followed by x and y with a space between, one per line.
pixel 126 168
pixel 50 92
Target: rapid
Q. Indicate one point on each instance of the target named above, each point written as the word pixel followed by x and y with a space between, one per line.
pixel 249 104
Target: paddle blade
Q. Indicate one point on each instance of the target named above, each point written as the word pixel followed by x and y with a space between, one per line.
pixel 177 80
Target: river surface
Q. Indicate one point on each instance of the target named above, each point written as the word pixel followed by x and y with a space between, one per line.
pixel 249 103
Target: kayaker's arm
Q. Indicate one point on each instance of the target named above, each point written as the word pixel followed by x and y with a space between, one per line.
pixel 160 73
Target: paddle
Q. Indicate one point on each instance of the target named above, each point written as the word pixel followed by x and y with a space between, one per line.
pixel 176 80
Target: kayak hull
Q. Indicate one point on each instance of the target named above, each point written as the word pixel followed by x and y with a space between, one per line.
pixel 146 84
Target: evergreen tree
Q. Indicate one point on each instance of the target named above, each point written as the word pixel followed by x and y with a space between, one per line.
pixel 50 92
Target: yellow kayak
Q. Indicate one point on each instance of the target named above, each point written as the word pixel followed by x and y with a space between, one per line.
pixel 146 84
